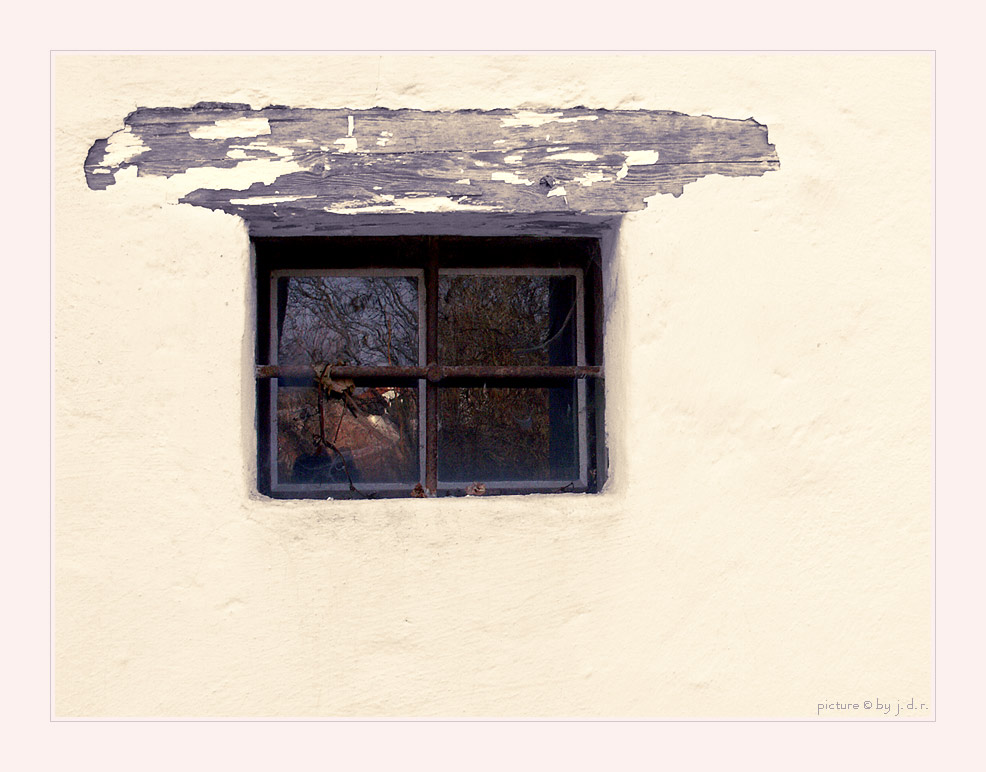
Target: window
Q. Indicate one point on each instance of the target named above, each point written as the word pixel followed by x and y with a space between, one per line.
pixel 424 366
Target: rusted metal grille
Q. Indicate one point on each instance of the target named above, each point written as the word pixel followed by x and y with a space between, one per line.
pixel 431 257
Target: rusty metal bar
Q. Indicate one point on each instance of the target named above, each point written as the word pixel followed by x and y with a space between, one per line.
pixel 447 372
pixel 431 357
pixel 339 371
pixel 435 373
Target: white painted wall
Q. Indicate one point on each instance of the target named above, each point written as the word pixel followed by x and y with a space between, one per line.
pixel 764 544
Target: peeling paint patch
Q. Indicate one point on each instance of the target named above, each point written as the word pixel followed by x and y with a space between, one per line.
pixel 510 177
pixel 575 118
pixel 463 181
pixel 123 146
pixel 417 204
pixel 528 118
pixel 240 177
pixel 584 157
pixel 637 158
pixel 262 200
pixel 227 128
pixel 559 191
pixel 437 204
pixel 513 159
pixel 368 209
pixel 236 151
pixel 641 157
pixel 587 179
pixel 533 119
pixel 348 144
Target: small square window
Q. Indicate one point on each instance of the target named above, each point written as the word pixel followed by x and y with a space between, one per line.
pixel 424 366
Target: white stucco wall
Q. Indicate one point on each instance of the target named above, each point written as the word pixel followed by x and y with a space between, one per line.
pixel 764 544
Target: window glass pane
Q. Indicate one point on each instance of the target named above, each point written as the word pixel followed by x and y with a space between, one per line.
pixel 489 434
pixel 374 428
pixel 502 319
pixel 351 320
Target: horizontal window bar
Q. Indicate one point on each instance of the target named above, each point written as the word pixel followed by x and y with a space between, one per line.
pixel 433 373
pixel 398 490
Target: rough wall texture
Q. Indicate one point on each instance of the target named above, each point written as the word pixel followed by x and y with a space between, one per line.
pixel 763 545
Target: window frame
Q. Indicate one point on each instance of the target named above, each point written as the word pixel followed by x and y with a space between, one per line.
pixel 273 386
pixel 428 258
pixel 580 390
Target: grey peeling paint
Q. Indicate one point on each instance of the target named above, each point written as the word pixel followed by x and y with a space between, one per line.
pixel 337 163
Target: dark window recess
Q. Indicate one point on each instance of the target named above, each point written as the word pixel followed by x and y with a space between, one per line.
pixel 423 366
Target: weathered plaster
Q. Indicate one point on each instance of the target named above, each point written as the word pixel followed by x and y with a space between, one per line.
pixel 464 161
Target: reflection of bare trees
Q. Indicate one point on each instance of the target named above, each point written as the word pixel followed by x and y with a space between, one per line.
pixel 484 433
pixel 378 436
pixel 490 434
pixel 493 320
pixel 356 320
pixel 502 433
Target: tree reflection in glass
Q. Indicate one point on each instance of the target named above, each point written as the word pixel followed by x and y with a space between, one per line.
pixel 352 320
pixel 502 319
pixel 361 434
pixel 507 433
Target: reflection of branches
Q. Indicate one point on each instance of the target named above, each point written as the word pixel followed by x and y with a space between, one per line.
pixel 492 320
pixel 351 319
pixel 364 436
pixel 553 338
pixel 504 320
pixel 497 320
pixel 502 432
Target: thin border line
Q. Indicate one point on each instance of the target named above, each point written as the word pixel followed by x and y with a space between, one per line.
pixel 51 412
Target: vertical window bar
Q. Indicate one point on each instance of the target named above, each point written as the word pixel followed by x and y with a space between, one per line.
pixel 273 383
pixel 422 387
pixel 431 354
pixel 580 386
